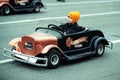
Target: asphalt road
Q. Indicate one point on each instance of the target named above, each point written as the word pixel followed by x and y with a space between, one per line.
pixel 95 14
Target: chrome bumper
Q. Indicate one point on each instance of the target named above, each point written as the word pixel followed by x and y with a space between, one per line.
pixel 25 58
pixel 110 45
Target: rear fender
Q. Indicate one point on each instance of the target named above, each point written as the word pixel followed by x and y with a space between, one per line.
pixel 49 47
pixel 38 3
pixel 97 40
pixel 100 40
pixel 105 42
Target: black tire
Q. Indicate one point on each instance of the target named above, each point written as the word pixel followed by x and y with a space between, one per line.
pixel 37 8
pixel 54 59
pixel 13 48
pixel 100 49
pixel 5 10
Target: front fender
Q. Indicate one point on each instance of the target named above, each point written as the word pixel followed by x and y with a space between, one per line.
pixel 4 3
pixel 1 4
pixel 49 47
pixel 14 42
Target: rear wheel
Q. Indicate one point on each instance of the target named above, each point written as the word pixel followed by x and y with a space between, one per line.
pixel 5 10
pixel 100 49
pixel 37 8
pixel 54 59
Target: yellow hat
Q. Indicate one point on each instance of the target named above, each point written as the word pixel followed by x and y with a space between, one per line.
pixel 75 15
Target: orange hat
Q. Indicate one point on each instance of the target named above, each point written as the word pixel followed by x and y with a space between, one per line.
pixel 75 15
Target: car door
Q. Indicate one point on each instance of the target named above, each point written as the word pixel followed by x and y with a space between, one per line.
pixel 20 4
pixel 76 43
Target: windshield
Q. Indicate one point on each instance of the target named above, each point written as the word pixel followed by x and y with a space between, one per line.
pixel 50 31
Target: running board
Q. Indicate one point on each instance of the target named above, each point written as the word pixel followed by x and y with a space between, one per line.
pixel 76 56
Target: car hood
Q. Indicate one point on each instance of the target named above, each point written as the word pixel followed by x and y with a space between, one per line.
pixel 39 37
pixel 34 43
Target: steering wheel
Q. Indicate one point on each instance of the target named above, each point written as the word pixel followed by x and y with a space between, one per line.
pixel 55 27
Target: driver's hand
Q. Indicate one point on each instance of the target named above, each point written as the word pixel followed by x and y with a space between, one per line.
pixel 64 33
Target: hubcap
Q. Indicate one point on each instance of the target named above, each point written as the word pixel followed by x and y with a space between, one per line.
pixel 37 8
pixel 7 10
pixel 100 49
pixel 54 59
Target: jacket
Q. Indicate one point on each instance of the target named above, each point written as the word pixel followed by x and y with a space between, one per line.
pixel 71 28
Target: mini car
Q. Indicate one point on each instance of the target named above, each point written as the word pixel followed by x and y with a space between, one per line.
pixel 7 6
pixel 48 46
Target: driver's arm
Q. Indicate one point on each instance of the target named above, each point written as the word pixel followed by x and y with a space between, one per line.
pixel 81 28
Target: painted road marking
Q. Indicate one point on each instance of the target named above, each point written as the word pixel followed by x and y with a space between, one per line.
pixel 6 61
pixel 54 18
pixel 116 41
pixel 84 2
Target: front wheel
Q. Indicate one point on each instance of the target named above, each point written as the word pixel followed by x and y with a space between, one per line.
pixel 54 59
pixel 100 49
pixel 5 10
pixel 13 48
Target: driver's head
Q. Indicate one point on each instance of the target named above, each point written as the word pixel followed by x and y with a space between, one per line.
pixel 73 17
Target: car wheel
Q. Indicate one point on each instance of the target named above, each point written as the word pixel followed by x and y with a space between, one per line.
pixel 54 59
pixel 13 48
pixel 100 49
pixel 5 10
pixel 37 8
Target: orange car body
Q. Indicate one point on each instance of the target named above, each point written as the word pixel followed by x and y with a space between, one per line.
pixel 4 2
pixel 41 43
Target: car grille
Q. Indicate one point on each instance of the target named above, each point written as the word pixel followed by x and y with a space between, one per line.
pixel 28 45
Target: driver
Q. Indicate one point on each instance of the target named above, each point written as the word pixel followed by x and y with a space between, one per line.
pixel 71 26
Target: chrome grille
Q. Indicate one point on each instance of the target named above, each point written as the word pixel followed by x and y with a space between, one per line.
pixel 28 45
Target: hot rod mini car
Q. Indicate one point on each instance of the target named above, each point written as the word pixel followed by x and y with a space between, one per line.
pixel 48 46
pixel 7 6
